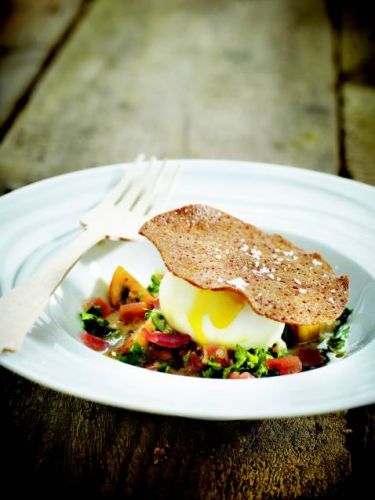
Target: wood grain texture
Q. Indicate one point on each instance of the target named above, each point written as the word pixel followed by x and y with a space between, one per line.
pixel 246 80
pixel 357 79
pixel 358 75
pixel 359 113
pixel 30 29
pixel 80 446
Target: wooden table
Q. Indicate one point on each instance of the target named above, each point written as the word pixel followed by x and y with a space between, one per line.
pixel 86 83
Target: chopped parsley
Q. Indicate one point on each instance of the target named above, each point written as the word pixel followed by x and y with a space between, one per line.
pixel 96 310
pixel 336 341
pixel 153 287
pixel 185 357
pixel 252 361
pixel 93 323
pixel 158 320
pixel 343 318
pixel 135 356
pixel 164 367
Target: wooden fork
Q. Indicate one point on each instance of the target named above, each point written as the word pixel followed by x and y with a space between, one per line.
pixel 118 216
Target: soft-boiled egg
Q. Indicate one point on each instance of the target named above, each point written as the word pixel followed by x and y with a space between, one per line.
pixel 215 317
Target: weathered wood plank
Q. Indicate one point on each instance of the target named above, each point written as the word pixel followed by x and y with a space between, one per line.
pixel 81 446
pixel 358 74
pixel 246 80
pixel 357 56
pixel 359 113
pixel 29 31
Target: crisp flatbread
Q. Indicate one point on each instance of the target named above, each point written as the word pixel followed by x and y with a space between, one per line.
pixel 214 250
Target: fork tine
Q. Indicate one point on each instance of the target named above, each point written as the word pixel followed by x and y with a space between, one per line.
pixel 136 190
pixel 157 200
pixel 149 192
pixel 115 194
pixel 154 205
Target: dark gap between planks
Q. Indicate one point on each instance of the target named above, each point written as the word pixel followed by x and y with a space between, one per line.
pixel 23 100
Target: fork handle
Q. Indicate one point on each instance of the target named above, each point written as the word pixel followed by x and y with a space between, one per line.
pixel 21 307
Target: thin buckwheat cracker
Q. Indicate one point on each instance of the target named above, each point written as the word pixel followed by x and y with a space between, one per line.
pixel 214 250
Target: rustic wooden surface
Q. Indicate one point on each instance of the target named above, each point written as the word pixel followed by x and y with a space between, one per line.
pixel 176 78
pixel 275 80
pixel 358 78
pixel 30 32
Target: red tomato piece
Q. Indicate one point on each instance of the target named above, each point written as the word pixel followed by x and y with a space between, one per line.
pixel 309 357
pixel 135 311
pixel 194 361
pixel 215 353
pixel 155 303
pixel 94 342
pixel 169 340
pixel 98 301
pixel 285 365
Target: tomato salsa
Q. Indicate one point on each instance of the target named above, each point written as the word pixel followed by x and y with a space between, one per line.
pixel 130 327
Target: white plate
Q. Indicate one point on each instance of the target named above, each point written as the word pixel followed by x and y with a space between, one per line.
pixel 320 212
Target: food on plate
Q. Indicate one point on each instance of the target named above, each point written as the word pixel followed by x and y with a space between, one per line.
pixel 234 302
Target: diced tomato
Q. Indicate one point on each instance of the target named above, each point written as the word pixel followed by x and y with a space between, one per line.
pixel 94 342
pixel 155 303
pixel 98 301
pixel 194 361
pixel 285 365
pixel 215 353
pixel 169 340
pixel 309 357
pixel 238 375
pixel 209 350
pixel 135 311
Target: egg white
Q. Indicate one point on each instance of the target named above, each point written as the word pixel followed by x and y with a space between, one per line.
pixel 247 329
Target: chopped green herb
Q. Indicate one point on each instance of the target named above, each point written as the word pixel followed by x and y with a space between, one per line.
pixel 280 353
pixel 158 320
pixel 227 371
pixel 96 310
pixel 335 341
pixel 215 365
pixel 210 373
pixel 153 287
pixel 185 357
pixel 95 325
pixel 115 334
pixel 164 367
pixel 252 360
pixel 138 297
pixel 343 318
pixel 135 356
pixel 261 368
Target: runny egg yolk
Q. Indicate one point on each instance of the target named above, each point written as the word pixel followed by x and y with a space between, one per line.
pixel 215 317
pixel 221 308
